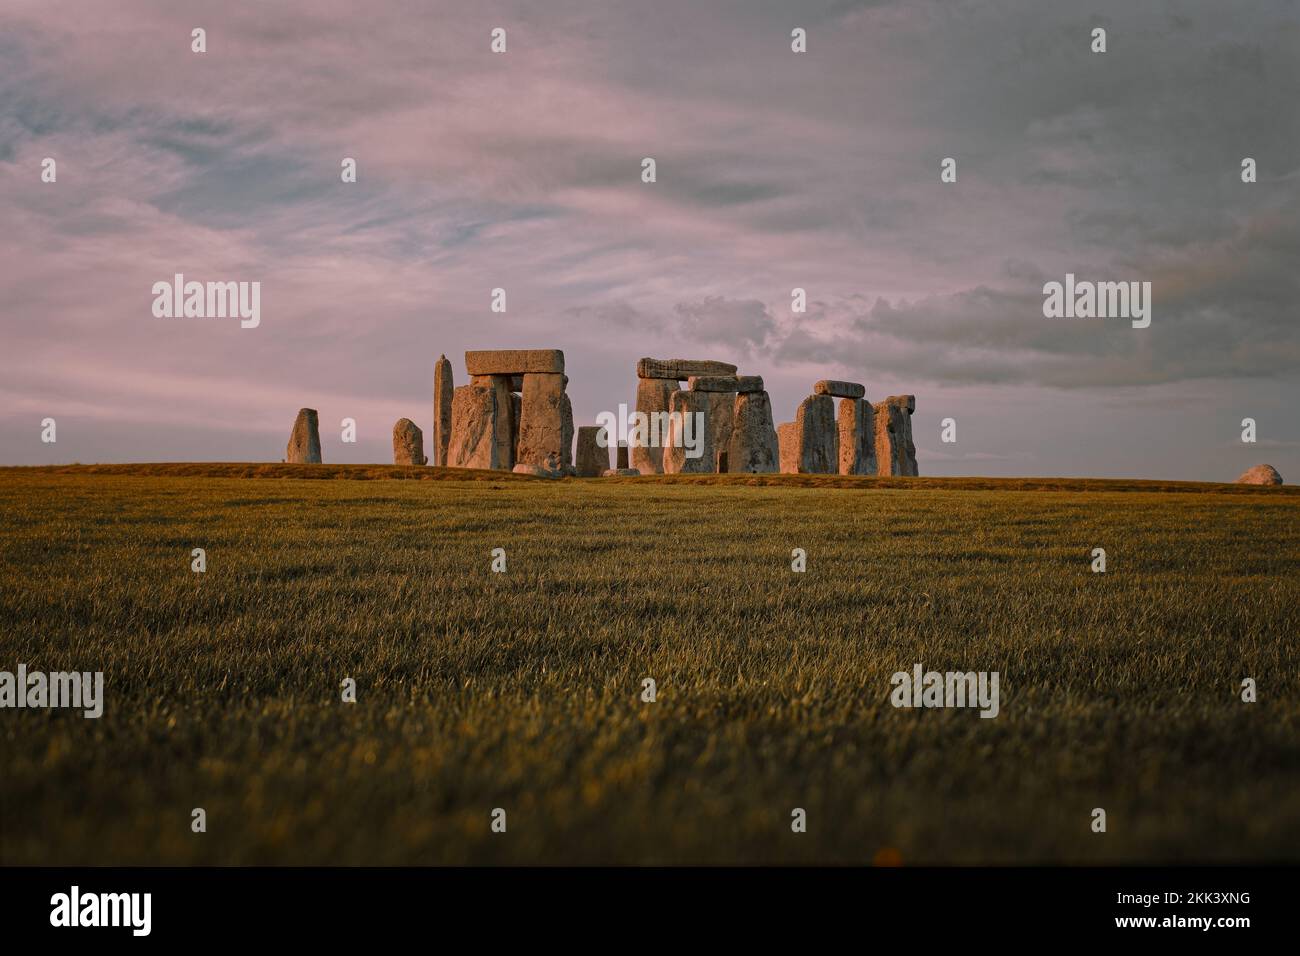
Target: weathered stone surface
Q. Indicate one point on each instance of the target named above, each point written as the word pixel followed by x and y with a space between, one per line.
pixel 679 370
pixel 857 430
pixel 304 440
pixel 753 448
pixel 1260 475
pixel 749 383
pixel 688 424
pixel 566 429
pixel 473 428
pixel 721 411
pixel 836 389
pixel 652 397
pixel 516 412
pixel 787 440
pixel 408 443
pixel 620 473
pixel 712 383
pixel 541 419
pixel 895 453
pixel 514 362
pixel 442 394
pixel 622 456
pixel 816 436
pixel 592 458
pixel 506 428
pixel 514 383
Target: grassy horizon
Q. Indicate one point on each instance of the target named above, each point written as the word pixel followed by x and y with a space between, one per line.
pixel 521 690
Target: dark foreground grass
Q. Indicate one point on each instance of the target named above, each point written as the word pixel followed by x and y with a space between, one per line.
pixel 521 690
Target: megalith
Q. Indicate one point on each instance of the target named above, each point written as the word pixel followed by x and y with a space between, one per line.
pixel 895 453
pixel 787 440
pixel 753 448
pixel 442 395
pixel 541 418
pixel 816 436
pixel 593 451
pixel 408 443
pixel 857 437
pixel 652 397
pixel 304 440
pixel 473 441
pixel 688 449
pixel 1260 475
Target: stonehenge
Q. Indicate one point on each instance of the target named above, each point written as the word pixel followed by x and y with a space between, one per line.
pixel 408 443
pixel 304 440
pixel 693 416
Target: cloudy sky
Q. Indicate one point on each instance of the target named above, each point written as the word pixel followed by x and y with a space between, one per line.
pixel 776 170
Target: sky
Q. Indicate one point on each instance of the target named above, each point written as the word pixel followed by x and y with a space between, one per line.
pixel 775 170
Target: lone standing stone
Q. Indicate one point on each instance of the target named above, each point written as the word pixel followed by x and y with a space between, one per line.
pixel 857 427
pixel 593 458
pixel 408 443
pixel 688 419
pixel 442 395
pixel 817 437
pixel 652 398
pixel 304 440
pixel 753 448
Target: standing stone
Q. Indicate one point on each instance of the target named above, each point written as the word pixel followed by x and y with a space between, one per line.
pixel 684 407
pixel 787 438
pixel 506 428
pixel 816 436
pixel 622 456
pixel 895 453
pixel 721 410
pixel 566 430
pixel 857 428
pixel 408 443
pixel 593 457
pixel 896 437
pixel 753 448
pixel 516 410
pixel 652 398
pixel 541 421
pixel 473 428
pixel 442 395
pixel 304 440
pixel 1260 475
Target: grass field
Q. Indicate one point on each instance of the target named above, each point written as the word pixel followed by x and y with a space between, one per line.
pixel 522 690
